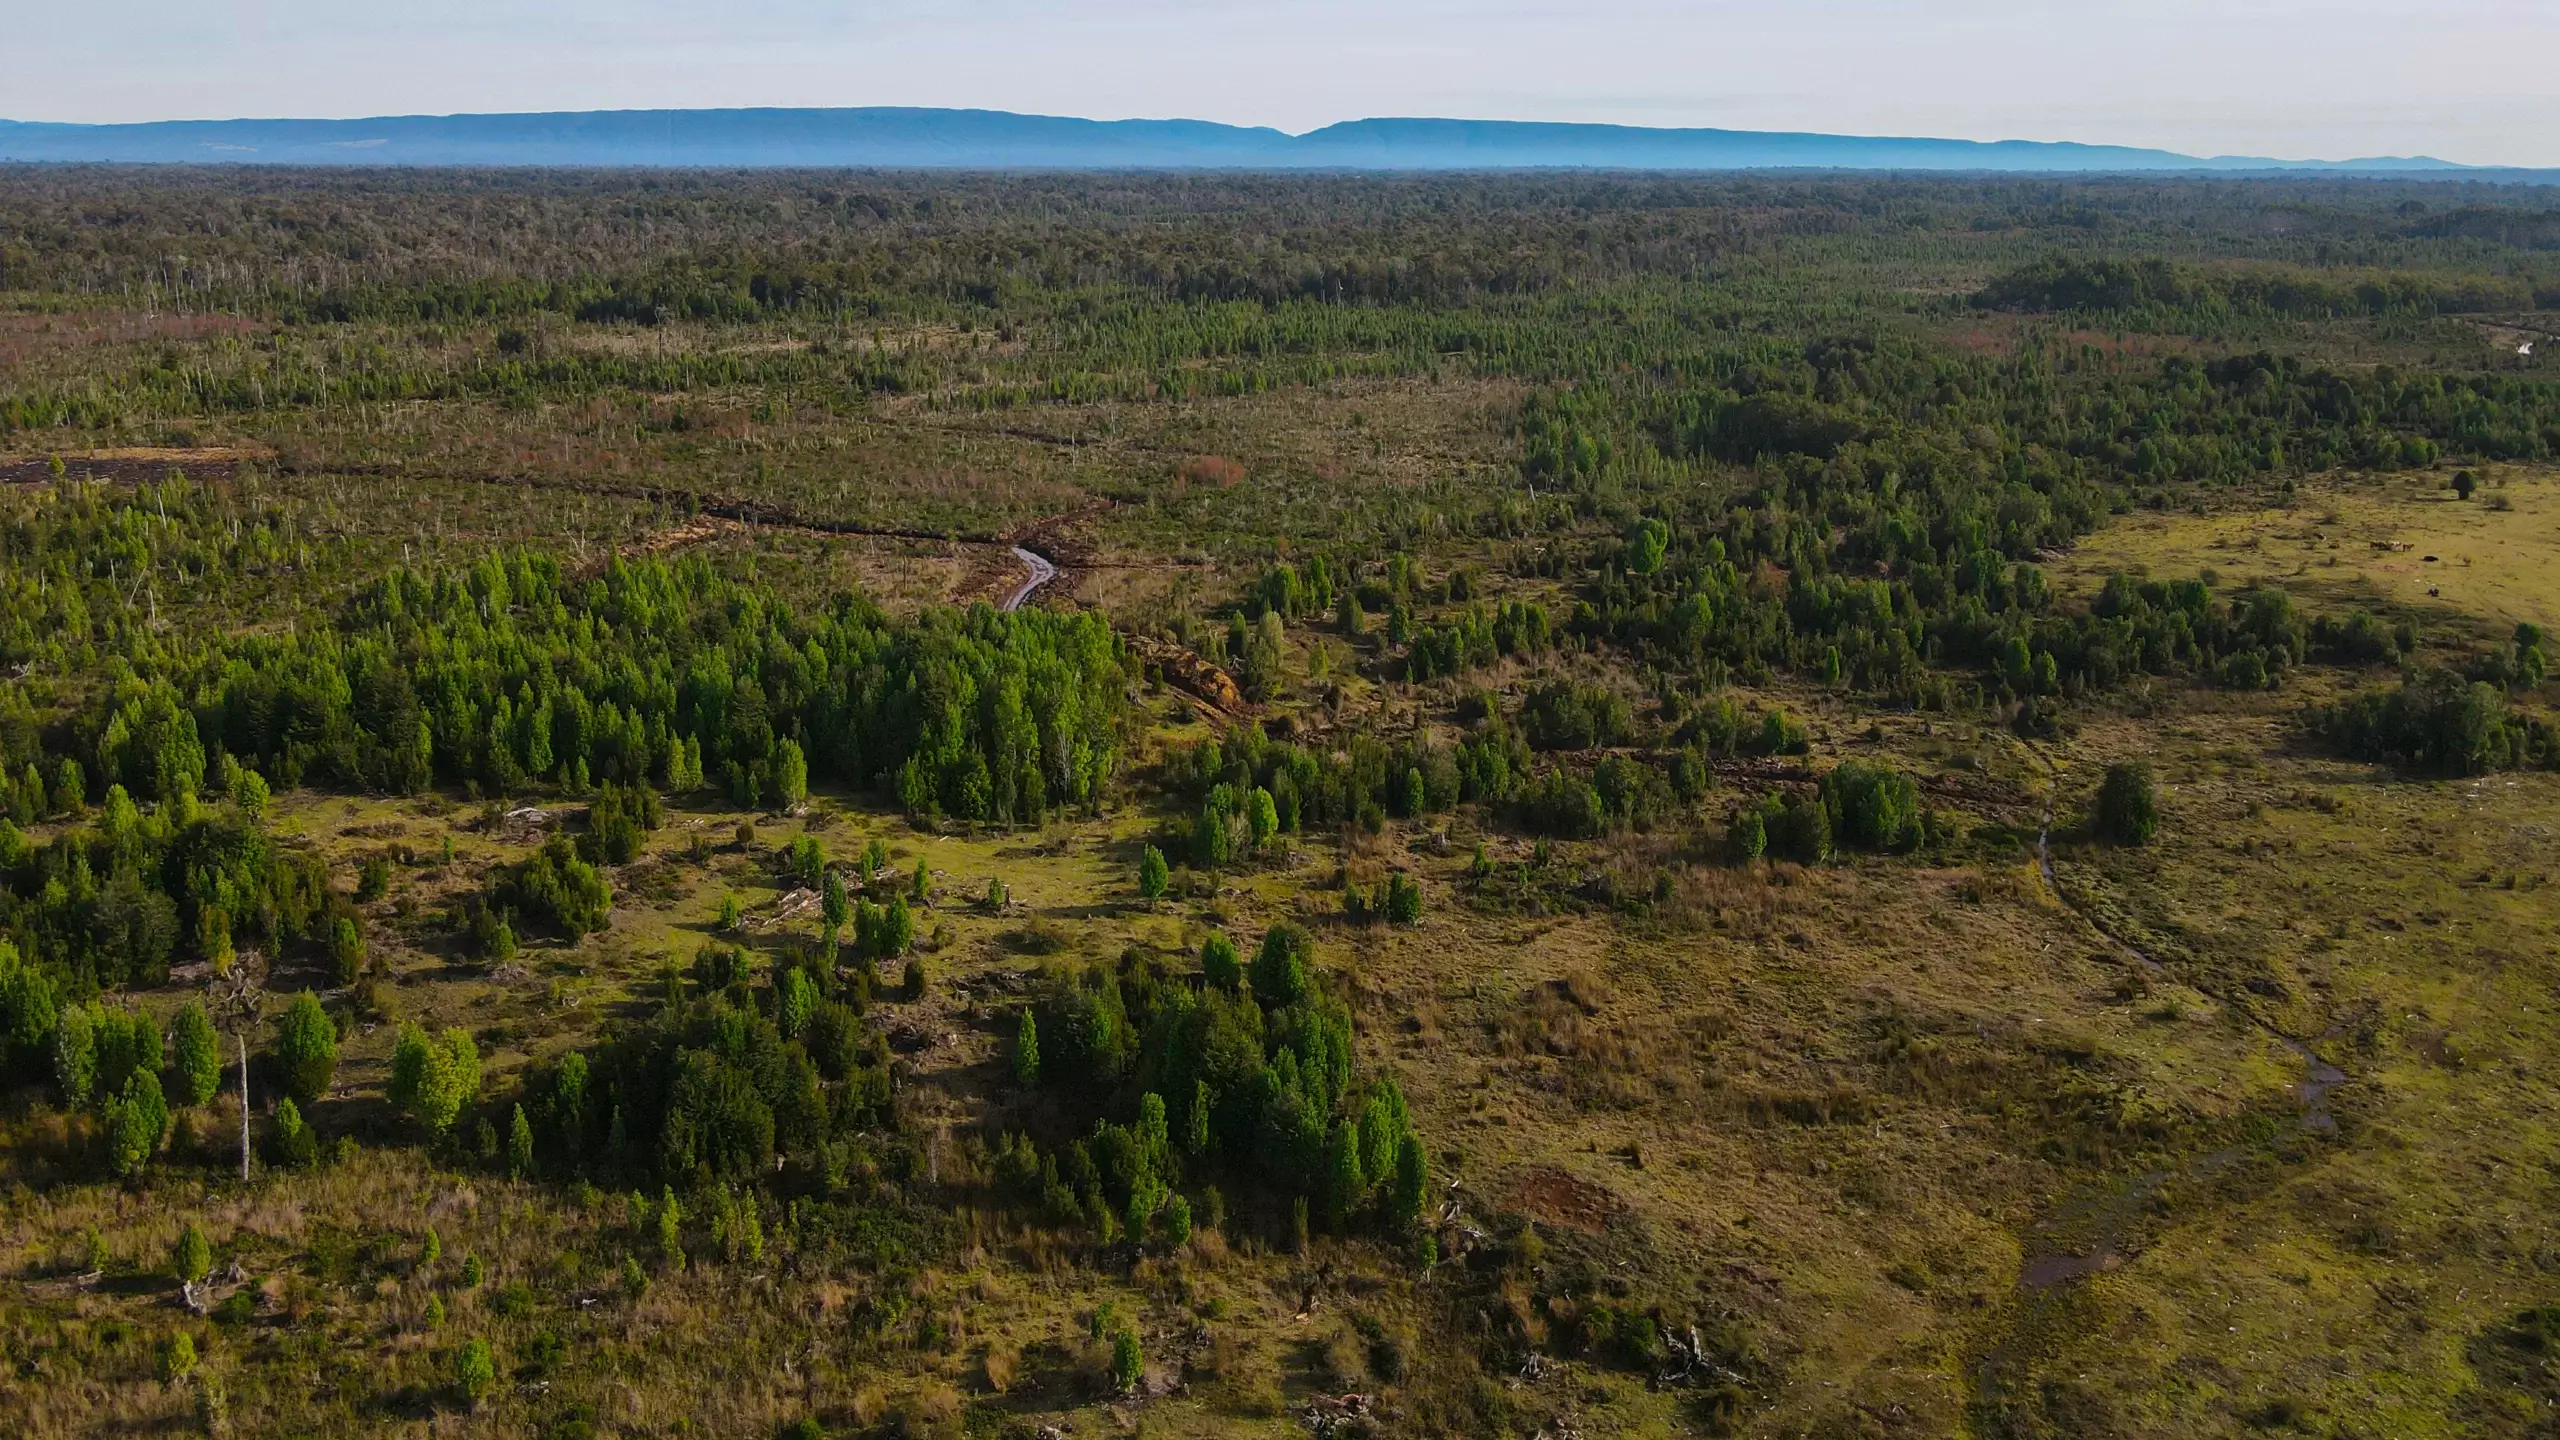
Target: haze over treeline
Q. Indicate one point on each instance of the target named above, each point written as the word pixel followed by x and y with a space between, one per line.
pixel 994 139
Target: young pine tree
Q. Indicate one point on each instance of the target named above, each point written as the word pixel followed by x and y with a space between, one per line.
pixel 2129 804
pixel 192 1260
pixel 1026 1050
pixel 198 1055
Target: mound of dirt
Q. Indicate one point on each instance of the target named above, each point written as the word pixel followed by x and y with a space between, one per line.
pixel 1556 1197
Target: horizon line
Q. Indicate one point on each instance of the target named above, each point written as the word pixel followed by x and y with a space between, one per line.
pixel 2098 150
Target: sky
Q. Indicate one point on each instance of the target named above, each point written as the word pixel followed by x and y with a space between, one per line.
pixel 2291 79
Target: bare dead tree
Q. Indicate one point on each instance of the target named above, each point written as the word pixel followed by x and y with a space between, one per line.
pixel 235 997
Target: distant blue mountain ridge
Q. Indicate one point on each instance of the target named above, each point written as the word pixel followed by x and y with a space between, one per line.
pixel 898 137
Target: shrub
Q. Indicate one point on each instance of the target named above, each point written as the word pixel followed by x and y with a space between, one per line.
pixel 2129 803
pixel 433 1078
pixel 1781 734
pixel 557 888
pixel 1281 966
pixel 1153 874
pixel 806 859
pixel 178 1357
pixel 1571 715
pixel 1872 807
pixel 1128 1362
pixel 306 1049
pixel 192 1259
pixel 136 1120
pixel 1404 900
pixel 373 879
pixel 474 1370
pixel 292 1144
pixel 346 950
pixel 1220 966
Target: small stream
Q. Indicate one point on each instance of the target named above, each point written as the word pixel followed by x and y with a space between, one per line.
pixel 2094 1226
pixel 1042 572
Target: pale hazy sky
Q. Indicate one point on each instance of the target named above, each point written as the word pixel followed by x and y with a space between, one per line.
pixel 2328 79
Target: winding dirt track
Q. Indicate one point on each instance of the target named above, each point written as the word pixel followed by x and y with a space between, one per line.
pixel 1042 572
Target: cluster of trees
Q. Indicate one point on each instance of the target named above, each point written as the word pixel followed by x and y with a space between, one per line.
pixel 2436 720
pixel 1473 638
pixel 104 1058
pixel 649 674
pixel 1252 787
pixel 1396 900
pixel 1702 613
pixel 1493 763
pixel 732 1076
pixel 1629 790
pixel 1575 715
pixel 555 887
pixel 116 900
pixel 1242 1071
pixel 1856 806
pixel 1896 497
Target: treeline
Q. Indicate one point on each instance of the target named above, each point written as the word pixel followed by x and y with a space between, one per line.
pixel 2188 292
pixel 479 244
pixel 516 674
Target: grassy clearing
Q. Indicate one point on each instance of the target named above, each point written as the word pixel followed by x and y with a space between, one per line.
pixel 2406 543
